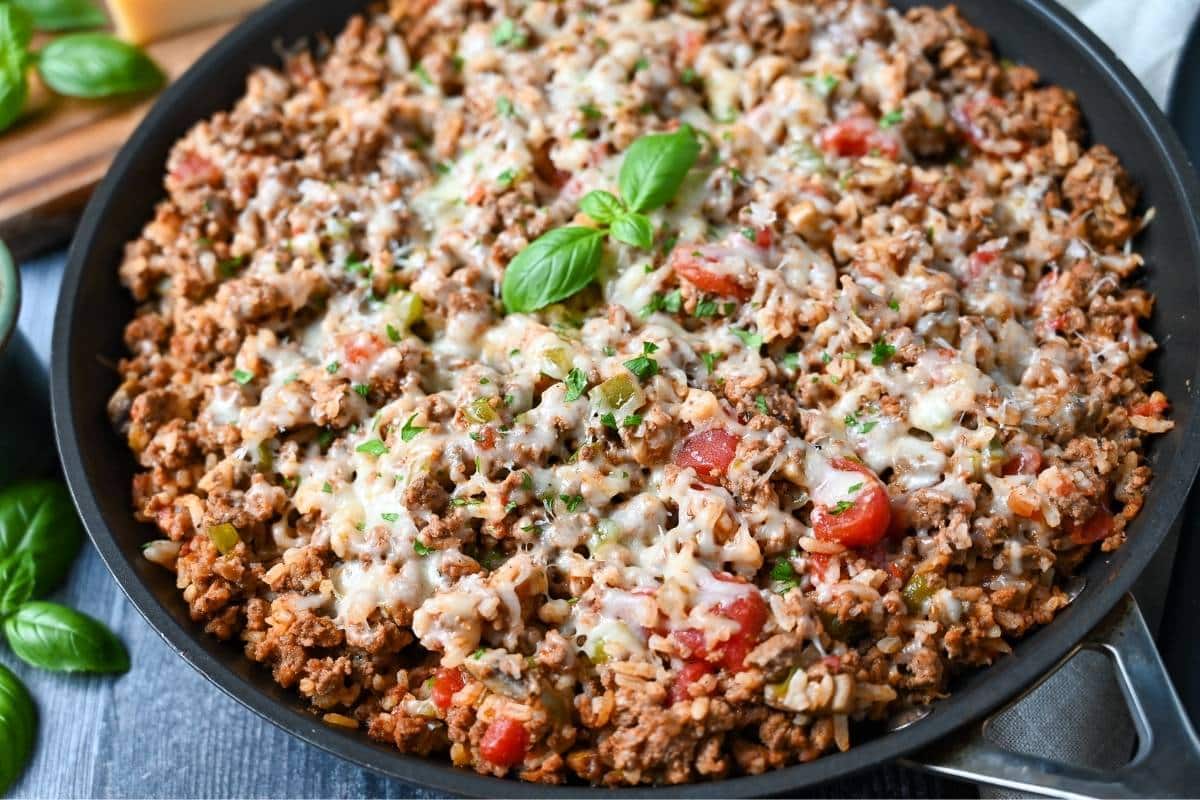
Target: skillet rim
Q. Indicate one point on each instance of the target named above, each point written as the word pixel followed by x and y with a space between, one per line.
pixel 1039 652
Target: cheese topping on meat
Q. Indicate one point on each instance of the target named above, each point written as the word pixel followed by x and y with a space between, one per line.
pixel 896 390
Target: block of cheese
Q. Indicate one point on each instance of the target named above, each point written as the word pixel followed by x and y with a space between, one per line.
pixel 142 21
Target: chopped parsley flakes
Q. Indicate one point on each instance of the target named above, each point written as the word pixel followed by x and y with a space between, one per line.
pixel 644 366
pixel 881 351
pixel 410 431
pixel 576 384
pixel 372 447
pixel 752 340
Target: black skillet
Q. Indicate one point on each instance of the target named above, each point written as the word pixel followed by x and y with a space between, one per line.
pixel 88 339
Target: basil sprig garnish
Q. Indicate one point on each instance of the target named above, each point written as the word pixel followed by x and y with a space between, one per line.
pixel 58 638
pixel 39 537
pixel 563 261
pixel 18 722
pixel 78 65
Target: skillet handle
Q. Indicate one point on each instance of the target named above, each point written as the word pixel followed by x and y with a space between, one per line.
pixel 1167 760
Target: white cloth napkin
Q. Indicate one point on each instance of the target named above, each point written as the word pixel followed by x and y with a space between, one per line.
pixel 1148 35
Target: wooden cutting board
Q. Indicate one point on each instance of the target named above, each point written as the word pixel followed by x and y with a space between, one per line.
pixel 53 157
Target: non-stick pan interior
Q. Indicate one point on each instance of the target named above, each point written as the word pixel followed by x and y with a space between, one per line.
pixel 94 307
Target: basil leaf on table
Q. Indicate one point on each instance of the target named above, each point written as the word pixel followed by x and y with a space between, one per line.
pixel 18 575
pixel 18 723
pixel 655 166
pixel 555 266
pixel 96 65
pixel 55 637
pixel 602 206
pixel 634 229
pixel 38 518
pixel 13 90
pixel 15 32
pixel 62 15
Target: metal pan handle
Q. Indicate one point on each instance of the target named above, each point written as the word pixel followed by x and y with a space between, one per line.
pixel 1167 761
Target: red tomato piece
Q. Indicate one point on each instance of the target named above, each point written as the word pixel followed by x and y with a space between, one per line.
pixel 750 613
pixel 1098 527
pixel 691 672
pixel 695 264
pixel 1153 406
pixel 1026 461
pixel 505 742
pixel 693 640
pixel 856 137
pixel 860 520
pixel 446 683
pixel 362 347
pixel 979 262
pixel 194 169
pixel 763 238
pixel 708 452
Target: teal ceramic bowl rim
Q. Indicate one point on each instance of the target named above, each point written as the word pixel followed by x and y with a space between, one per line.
pixel 10 295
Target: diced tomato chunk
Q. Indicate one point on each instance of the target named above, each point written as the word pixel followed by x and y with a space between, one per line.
pixel 446 683
pixel 1026 461
pixel 750 613
pixel 763 238
pixel 860 520
pixel 691 672
pixel 696 264
pixel 1098 527
pixel 194 169
pixel 980 260
pixel 748 610
pixel 708 452
pixel 505 742
pixel 692 640
pixel 362 347
pixel 1153 406
pixel 856 137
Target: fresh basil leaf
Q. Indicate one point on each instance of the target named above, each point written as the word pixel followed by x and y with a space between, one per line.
pixel 55 637
pixel 655 166
pixel 634 229
pixel 62 15
pixel 96 65
pixel 602 206
pixel 15 33
pixel 17 579
pixel 555 266
pixel 18 724
pixel 37 517
pixel 14 88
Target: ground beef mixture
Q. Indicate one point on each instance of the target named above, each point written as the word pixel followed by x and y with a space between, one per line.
pixel 843 430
